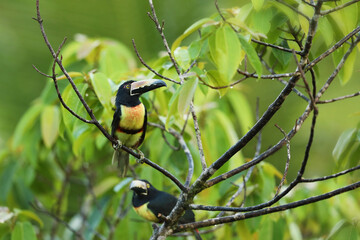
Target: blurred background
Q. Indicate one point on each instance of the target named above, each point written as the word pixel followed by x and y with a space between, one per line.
pixel 21 45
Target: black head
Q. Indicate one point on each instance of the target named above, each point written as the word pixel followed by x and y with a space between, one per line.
pixel 129 92
pixel 142 187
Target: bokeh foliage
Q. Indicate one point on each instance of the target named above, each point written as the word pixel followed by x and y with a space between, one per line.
pixel 64 165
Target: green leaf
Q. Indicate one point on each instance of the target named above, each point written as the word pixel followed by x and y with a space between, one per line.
pixel 30 215
pixel 242 110
pixel 348 69
pixel 50 122
pixel 23 231
pixel 182 56
pixel 122 184
pixel 257 4
pixel 252 55
pixel 189 31
pixel 96 217
pixel 186 95
pixel 102 89
pixel 217 81
pixel 194 49
pixel 173 107
pixel 6 179
pixel 115 60
pixel 344 144
pixel 26 123
pixel 225 51
pixel 105 185
pixel 282 56
pixel 261 20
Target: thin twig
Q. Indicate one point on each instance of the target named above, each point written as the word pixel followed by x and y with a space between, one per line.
pixel 287 160
pixel 331 176
pixel 302 74
pixel 325 12
pixel 261 212
pixel 275 46
pixel 339 98
pixel 148 67
pixel 39 209
pixel 294 9
pixel 198 136
pixel 160 29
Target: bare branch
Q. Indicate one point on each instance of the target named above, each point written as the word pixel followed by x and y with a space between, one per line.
pixel 148 67
pixel 331 176
pixel 325 12
pixel 261 212
pixel 275 46
pixel 198 136
pixel 160 29
pixel 287 160
pixel 332 49
pixel 339 98
pixel 40 209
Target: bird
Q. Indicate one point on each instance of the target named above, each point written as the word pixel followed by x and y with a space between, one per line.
pixel 129 122
pixel 154 205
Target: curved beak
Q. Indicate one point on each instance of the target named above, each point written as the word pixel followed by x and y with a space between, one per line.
pixel 143 86
pixel 138 186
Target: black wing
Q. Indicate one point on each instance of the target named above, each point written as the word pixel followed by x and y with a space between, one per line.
pixel 162 203
pixel 115 121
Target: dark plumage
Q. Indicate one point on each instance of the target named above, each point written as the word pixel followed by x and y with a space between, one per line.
pixel 149 203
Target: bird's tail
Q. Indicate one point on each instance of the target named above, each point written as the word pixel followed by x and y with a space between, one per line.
pixel 196 234
pixel 121 158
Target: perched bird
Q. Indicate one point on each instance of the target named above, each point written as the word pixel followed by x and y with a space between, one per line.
pixel 129 121
pixel 151 204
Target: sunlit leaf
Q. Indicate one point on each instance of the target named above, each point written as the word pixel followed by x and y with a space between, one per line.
pixel 105 185
pixel 252 55
pixel 122 184
pixel 195 26
pixel 26 122
pixel 72 101
pixel 186 95
pixel 173 107
pixel 182 56
pixel 257 4
pixel 102 88
pixel 225 51
pixel 218 81
pixel 345 142
pixel 50 122
pixel 28 214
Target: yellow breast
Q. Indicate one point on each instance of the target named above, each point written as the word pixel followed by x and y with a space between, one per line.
pixel 132 118
pixel 146 213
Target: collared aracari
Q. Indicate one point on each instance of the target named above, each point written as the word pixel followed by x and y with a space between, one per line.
pixel 130 119
pixel 151 204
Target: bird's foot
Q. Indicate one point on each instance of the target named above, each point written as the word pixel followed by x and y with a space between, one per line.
pixel 142 156
pixel 117 145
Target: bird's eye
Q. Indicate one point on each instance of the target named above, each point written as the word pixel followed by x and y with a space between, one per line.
pixel 148 185
pixel 127 86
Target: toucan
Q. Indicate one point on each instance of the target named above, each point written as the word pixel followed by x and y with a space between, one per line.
pixel 151 204
pixel 130 119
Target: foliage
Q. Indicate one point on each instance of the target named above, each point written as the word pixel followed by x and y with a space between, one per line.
pixel 60 166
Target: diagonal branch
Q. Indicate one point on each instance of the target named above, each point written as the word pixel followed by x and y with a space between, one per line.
pixel 261 212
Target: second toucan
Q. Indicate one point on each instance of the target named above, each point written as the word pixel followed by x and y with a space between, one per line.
pixel 150 203
pixel 130 119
